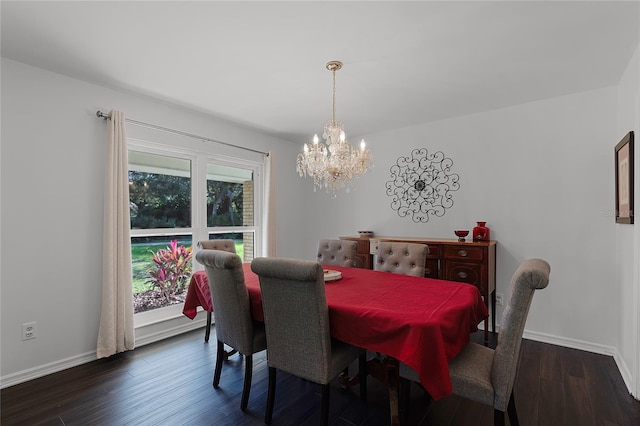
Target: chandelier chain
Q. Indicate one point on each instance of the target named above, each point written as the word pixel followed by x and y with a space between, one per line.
pixel 333 100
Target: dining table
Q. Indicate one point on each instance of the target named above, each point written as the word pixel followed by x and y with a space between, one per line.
pixel 422 322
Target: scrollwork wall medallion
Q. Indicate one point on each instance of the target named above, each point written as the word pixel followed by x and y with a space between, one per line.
pixel 422 184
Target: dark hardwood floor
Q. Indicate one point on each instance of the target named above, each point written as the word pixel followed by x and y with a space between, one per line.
pixel 169 383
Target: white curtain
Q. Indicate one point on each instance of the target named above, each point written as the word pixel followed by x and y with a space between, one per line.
pixel 269 220
pixel 116 332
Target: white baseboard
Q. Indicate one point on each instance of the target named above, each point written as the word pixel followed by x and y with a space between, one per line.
pixel 570 343
pixel 142 339
pixel 145 338
pixel 45 369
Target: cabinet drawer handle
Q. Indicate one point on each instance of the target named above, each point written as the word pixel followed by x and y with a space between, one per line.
pixel 462 275
pixel 462 253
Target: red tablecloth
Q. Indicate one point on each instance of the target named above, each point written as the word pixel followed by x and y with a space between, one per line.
pixel 198 294
pixel 420 321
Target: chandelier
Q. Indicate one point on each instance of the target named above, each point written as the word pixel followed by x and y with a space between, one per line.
pixel 335 163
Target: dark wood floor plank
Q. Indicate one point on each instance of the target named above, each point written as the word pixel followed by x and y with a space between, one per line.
pixel 572 363
pixel 471 412
pixel 169 383
pixel 608 399
pixel 551 405
pixel 578 400
pixel 550 363
pixel 441 412
pixel 527 386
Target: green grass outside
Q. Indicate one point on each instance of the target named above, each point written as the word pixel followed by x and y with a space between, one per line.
pixel 141 262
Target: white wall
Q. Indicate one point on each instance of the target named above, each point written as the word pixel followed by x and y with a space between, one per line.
pixel 52 197
pixel 628 236
pixel 541 175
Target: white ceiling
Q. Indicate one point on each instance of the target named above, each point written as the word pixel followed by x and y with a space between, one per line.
pixel 262 63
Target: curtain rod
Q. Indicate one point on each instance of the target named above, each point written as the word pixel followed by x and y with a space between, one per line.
pixel 101 114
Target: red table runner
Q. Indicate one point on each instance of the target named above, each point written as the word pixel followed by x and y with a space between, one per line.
pixel 420 321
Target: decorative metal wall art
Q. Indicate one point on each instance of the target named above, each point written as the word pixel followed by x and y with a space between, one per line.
pixel 421 185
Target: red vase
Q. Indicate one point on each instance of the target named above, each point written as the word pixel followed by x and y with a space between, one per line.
pixel 481 232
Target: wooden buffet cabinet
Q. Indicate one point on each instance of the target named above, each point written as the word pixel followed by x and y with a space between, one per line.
pixel 448 259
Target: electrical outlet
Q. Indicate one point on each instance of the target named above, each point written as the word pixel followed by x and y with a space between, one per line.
pixel 29 330
pixel 499 299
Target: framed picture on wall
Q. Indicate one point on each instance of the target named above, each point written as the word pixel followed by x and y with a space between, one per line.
pixel 624 179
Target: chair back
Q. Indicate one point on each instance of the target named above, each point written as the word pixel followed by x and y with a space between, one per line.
pixel 223 245
pixel 401 258
pixel 296 316
pixel 531 275
pixel 337 252
pixel 230 298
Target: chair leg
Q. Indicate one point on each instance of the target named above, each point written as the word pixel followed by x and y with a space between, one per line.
pixel 271 394
pixel 511 410
pixel 362 373
pixel 498 417
pixel 324 407
pixel 248 371
pixel 207 332
pixel 219 357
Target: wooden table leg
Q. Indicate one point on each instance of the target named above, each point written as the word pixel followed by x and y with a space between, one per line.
pixel 374 367
pixel 393 377
pixel 486 331
pixel 493 312
pixel 387 372
pixel 491 308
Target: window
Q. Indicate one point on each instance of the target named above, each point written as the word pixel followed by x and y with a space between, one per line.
pixel 161 233
pixel 230 207
pixel 176 199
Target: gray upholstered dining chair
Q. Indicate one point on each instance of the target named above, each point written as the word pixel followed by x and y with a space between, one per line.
pixel 401 258
pixel 296 319
pixel 337 252
pixel 234 325
pixel 486 375
pixel 224 245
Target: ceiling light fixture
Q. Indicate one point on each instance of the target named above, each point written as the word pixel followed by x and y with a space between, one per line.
pixel 333 165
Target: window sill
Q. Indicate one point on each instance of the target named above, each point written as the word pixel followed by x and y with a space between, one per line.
pixel 155 316
pixel 163 323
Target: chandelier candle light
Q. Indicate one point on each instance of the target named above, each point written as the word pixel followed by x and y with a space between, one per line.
pixel 335 163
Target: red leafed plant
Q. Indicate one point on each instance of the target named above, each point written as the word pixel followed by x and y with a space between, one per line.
pixel 171 270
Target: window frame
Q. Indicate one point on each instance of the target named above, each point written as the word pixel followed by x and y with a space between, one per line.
pixel 199 230
pixel 201 214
